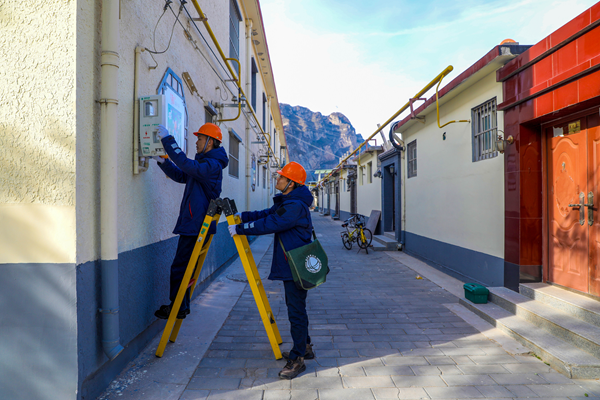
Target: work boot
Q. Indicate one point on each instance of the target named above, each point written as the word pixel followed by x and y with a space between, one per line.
pixel 164 311
pixel 309 354
pixel 292 368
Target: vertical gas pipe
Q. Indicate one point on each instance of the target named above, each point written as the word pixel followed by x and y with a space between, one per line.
pixel 248 126
pixel 109 263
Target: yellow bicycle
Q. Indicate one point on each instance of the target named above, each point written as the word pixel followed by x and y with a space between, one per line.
pixel 359 234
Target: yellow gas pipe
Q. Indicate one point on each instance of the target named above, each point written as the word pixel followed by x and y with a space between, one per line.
pixel 437 106
pixel 437 79
pixel 204 20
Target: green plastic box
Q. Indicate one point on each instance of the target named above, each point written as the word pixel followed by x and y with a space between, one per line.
pixel 476 293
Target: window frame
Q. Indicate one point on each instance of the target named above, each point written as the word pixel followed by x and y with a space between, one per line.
pixel 484 140
pixel 234 33
pixel 411 159
pixel 234 154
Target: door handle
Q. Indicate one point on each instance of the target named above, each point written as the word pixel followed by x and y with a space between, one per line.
pixel 581 205
pixel 590 207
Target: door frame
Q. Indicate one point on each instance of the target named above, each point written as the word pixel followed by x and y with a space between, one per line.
pixel 545 177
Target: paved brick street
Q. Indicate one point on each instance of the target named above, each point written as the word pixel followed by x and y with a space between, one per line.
pixel 379 333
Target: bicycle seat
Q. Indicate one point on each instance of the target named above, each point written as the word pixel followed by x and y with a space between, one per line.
pixel 359 224
pixel 345 224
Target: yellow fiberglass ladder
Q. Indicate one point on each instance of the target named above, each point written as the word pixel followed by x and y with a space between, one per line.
pixel 190 278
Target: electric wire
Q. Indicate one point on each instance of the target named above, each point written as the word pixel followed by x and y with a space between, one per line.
pixel 177 20
pixel 168 4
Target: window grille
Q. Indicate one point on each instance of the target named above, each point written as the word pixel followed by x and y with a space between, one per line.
pixel 264 170
pixel 369 172
pixel 485 127
pixel 235 18
pixel 234 155
pixel 411 159
pixel 254 70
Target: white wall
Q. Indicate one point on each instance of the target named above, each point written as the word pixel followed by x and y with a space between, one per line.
pixel 149 202
pixel 368 193
pixel 453 199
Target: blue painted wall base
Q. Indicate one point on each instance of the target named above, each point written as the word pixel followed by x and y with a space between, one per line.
pixel 476 266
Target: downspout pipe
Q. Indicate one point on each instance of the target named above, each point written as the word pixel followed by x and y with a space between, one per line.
pixel 109 263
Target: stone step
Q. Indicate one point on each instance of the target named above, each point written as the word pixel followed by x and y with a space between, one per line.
pixel 579 306
pixel 560 355
pixel 376 246
pixel 390 244
pixel 556 322
pixel 391 235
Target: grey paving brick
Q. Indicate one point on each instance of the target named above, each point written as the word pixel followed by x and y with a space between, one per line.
pixel 527 368
pixel 494 359
pixel 557 390
pixel 195 395
pixel 418 381
pixel 440 360
pixel 494 391
pixel 459 392
pixel 214 383
pixel 518 379
pixel 468 380
pixel 308 394
pixel 235 395
pixel 483 369
pixel 519 391
pixel 395 361
pixel 273 383
pixel 223 362
pixel 360 362
pixel 346 394
pixel 367 382
pixel 397 370
pixel 305 382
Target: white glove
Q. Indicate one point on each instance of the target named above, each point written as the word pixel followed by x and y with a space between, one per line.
pixel 162 132
pixel 159 159
pixel 232 231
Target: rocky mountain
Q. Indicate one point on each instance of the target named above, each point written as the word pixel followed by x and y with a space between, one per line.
pixel 315 140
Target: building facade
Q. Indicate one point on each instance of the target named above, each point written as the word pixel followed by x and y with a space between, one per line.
pixel 78 200
pixel 551 98
pixel 450 204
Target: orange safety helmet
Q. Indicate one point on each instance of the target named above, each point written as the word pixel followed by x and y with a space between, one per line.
pixel 294 172
pixel 210 130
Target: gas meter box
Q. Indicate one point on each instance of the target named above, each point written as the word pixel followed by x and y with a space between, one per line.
pixel 164 109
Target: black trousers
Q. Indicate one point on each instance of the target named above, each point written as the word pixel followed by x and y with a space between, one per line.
pixel 185 247
pixel 295 299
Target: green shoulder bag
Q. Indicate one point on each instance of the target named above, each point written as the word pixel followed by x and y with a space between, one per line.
pixel 308 264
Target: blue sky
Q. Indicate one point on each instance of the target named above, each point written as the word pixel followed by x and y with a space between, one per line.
pixel 366 58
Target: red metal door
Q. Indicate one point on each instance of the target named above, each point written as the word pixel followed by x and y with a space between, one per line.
pixel 593 133
pixel 567 180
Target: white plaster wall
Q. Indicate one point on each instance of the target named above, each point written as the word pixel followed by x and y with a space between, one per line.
pixel 148 204
pixel 453 199
pixel 37 125
pixel 368 195
pixel 344 193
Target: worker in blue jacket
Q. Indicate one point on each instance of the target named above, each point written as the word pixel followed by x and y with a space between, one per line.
pixel 202 177
pixel 289 219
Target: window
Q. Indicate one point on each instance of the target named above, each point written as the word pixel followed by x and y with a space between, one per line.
pixel 411 159
pixel 369 172
pixel 264 113
pixel 209 112
pixel 235 18
pixel 253 94
pixel 234 154
pixel 171 86
pixel 264 177
pixel 361 176
pixel 484 130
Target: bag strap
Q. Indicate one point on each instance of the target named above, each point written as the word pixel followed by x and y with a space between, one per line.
pixel 281 243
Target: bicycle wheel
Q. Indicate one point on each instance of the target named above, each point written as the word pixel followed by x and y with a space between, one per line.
pixel 364 239
pixel 346 241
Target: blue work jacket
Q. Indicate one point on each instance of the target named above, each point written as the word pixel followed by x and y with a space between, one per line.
pixel 289 219
pixel 202 177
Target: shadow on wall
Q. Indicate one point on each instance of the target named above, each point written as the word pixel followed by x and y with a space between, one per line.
pixel 38 332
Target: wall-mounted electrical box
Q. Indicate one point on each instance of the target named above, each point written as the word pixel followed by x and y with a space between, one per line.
pixel 164 109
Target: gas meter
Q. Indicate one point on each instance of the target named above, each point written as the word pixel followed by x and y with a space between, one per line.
pixel 164 109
